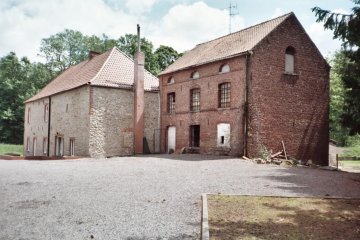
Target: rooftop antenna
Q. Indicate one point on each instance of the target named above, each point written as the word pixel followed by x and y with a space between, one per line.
pixel 231 14
pixel 138 38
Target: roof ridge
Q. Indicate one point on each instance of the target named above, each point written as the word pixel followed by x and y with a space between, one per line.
pixel 244 29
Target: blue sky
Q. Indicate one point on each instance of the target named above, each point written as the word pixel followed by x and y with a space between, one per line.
pixel 180 24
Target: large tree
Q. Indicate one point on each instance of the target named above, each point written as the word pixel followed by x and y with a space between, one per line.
pixel 19 80
pixel 346 27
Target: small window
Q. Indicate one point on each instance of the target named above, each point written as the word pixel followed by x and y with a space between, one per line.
pixel 29 115
pixel 171 102
pixel 289 60
pixel 195 75
pixel 224 68
pixel 195 136
pixel 46 112
pixel 67 108
pixel 44 146
pixel 224 95
pixel 72 146
pixel 170 80
pixel 195 100
pixel 28 144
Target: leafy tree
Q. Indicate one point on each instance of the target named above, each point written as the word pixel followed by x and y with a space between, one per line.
pixel 165 56
pixel 346 27
pixel 19 80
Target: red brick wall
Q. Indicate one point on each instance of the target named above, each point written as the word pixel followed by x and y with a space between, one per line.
pixel 284 107
pixel 210 115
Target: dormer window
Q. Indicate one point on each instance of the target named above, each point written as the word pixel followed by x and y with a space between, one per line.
pixel 289 60
pixel 195 75
pixel 170 80
pixel 225 68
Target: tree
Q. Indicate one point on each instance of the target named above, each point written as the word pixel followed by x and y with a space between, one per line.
pixel 165 56
pixel 19 80
pixel 346 27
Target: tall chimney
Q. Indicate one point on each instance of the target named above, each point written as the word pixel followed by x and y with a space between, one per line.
pixel 139 60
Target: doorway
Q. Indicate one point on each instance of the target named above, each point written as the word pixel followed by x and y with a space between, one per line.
pixel 195 136
pixel 171 139
pixel 59 146
pixel 34 147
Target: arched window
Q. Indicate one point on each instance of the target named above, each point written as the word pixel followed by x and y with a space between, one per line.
pixel 195 75
pixel 170 80
pixel 289 60
pixel 224 68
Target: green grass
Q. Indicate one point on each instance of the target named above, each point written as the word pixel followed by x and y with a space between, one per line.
pixel 10 148
pixel 351 163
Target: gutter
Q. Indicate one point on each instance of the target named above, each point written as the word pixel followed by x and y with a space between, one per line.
pixel 246 102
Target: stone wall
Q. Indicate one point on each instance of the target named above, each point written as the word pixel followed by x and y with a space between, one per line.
pixel 70 119
pixel 209 115
pixel 293 108
pixel 111 121
pixel 36 128
pixel 152 121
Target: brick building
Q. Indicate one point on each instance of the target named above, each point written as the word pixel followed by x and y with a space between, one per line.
pixel 248 90
pixel 88 110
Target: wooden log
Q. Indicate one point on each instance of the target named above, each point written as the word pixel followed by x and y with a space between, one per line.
pixel 276 154
pixel 283 145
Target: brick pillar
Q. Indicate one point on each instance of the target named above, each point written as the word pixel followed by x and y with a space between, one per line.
pixel 139 60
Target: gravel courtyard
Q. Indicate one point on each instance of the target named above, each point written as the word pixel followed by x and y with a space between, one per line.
pixel 145 197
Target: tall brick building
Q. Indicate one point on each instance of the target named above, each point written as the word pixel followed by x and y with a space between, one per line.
pixel 247 90
pixel 88 110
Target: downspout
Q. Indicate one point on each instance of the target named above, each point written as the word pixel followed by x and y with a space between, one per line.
pixel 49 119
pixel 246 101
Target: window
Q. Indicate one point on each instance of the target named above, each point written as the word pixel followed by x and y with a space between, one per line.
pixel 72 146
pixel 223 135
pixel 195 100
pixel 28 115
pixel 46 112
pixel 224 68
pixel 195 75
pixel 171 102
pixel 224 95
pixel 44 146
pixel 195 136
pixel 170 80
pixel 289 60
pixel 28 144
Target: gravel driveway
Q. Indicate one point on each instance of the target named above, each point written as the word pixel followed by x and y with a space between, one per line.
pixel 147 197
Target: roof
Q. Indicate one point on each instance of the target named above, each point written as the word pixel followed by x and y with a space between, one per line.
pixel 112 68
pixel 227 46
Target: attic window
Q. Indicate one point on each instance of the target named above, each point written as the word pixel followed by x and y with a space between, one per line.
pixel 170 80
pixel 225 68
pixel 289 60
pixel 195 75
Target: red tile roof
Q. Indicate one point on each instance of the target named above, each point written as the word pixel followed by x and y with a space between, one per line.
pixel 110 69
pixel 227 46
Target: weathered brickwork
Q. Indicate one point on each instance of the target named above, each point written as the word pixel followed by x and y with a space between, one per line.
pixel 70 119
pixel 292 108
pixel 152 121
pixel 36 128
pixel 209 115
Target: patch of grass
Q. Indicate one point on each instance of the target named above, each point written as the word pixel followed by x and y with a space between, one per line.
pixel 247 217
pixel 355 163
pixel 353 151
pixel 11 148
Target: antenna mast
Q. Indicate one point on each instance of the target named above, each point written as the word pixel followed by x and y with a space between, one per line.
pixel 231 14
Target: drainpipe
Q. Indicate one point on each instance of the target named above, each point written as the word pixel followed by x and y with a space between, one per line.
pixel 49 119
pixel 246 101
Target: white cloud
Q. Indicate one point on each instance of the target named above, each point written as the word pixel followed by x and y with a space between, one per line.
pixel 278 12
pixel 137 7
pixel 23 25
pixel 184 26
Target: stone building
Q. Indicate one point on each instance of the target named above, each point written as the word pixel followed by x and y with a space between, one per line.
pixel 247 91
pixel 88 110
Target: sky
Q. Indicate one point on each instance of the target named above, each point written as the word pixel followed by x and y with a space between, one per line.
pixel 180 24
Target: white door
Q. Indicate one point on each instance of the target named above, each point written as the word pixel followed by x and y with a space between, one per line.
pixel 171 140
pixel 34 147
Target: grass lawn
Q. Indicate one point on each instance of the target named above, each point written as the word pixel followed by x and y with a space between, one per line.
pixel 355 163
pixel 10 148
pixel 247 217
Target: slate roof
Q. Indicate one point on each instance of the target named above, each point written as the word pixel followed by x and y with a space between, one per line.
pixel 231 45
pixel 110 69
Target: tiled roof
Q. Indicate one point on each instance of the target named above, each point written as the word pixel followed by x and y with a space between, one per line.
pixel 109 69
pixel 226 46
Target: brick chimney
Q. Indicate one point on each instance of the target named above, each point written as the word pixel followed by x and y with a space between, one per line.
pixel 93 54
pixel 139 60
